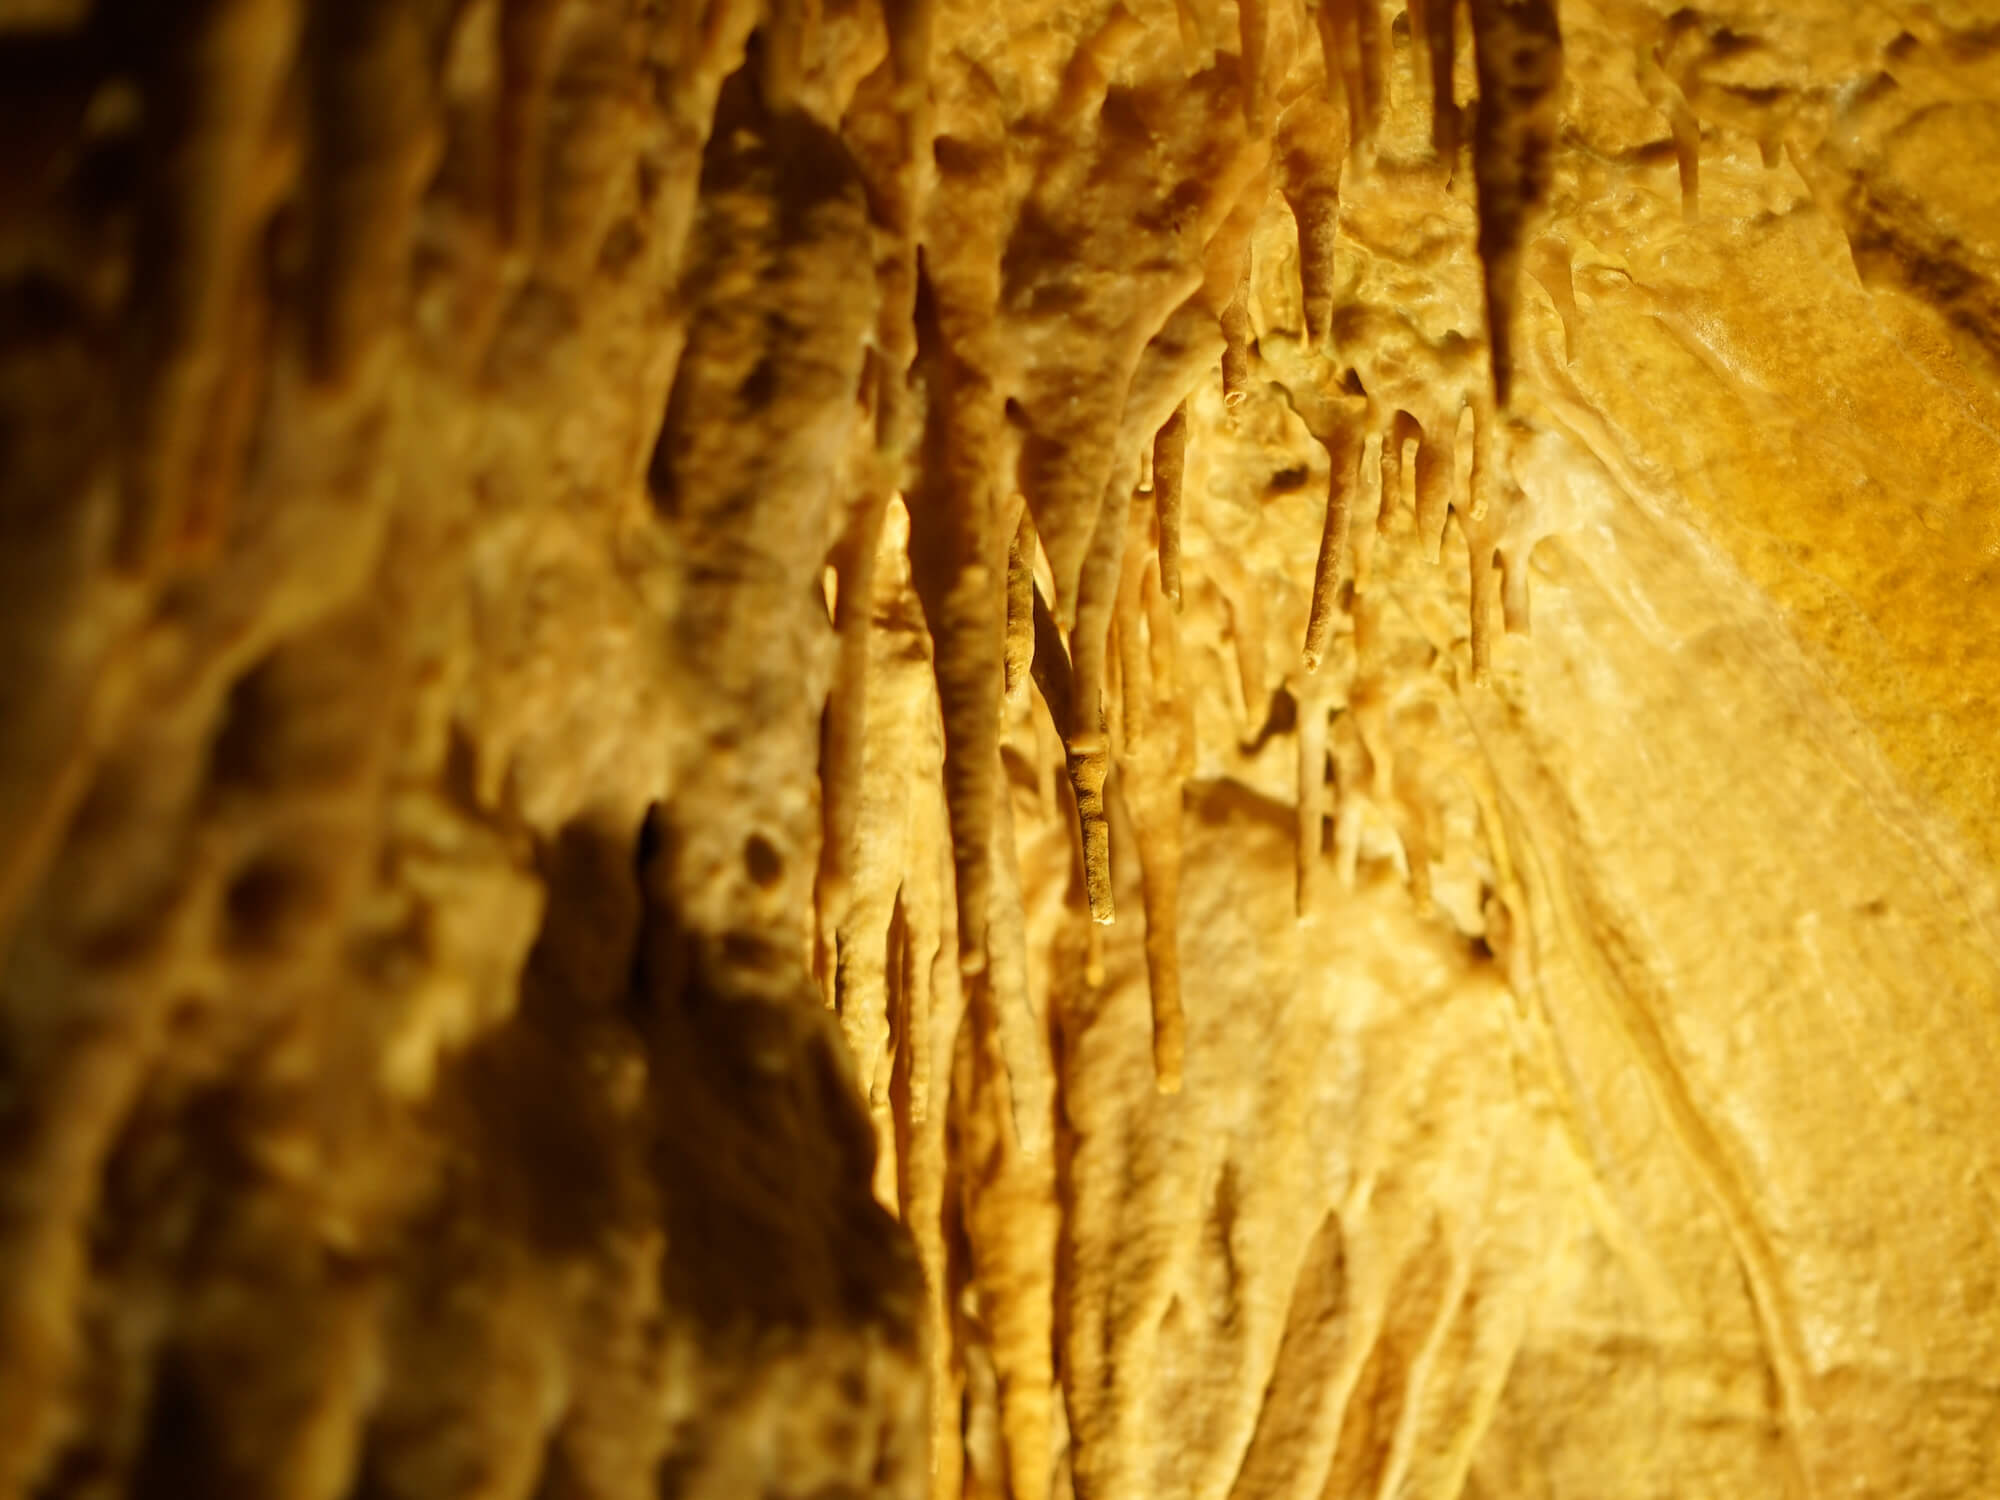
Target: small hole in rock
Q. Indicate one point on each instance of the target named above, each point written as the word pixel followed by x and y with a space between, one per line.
pixel 763 861
pixel 264 901
pixel 247 752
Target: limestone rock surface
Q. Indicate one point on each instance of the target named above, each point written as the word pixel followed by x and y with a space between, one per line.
pixel 1058 749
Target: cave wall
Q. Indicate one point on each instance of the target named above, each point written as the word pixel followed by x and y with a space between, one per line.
pixel 600 591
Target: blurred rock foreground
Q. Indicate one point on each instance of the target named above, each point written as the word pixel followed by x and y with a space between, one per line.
pixel 1058 749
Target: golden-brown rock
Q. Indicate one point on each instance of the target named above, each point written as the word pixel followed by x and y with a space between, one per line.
pixel 606 600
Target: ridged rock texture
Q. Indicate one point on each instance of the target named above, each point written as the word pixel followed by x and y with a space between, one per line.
pixel 790 748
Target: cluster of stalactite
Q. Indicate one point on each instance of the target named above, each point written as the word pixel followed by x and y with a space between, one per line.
pixel 435 440
pixel 1028 382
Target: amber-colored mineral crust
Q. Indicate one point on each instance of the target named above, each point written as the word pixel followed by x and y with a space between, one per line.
pixel 790 748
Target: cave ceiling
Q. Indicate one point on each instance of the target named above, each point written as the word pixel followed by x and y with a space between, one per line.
pixel 999 749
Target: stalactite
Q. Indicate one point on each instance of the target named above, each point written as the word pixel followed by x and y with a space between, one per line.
pixel 1483 480
pixel 1004 1123
pixel 1225 284
pixel 1022 1037
pixel 1254 28
pixel 1236 334
pixel 1483 524
pixel 1434 34
pixel 1484 576
pixel 1437 464
pixel 958 540
pixel 1020 606
pixel 1172 361
pixel 924 914
pixel 1156 420
pixel 1518 47
pixel 892 1166
pixel 877 623
pixel 787 37
pixel 1338 423
pixel 1160 838
pixel 909 24
pixel 845 731
pixel 1088 769
pixel 1350 50
pixel 1401 433
pixel 1088 742
pixel 1374 42
pixel 1335 59
pixel 1169 469
pixel 1154 751
pixel 958 559
pixel 1011 1220
pixel 1093 956
pixel 928 1005
pixel 1312 145
pixel 882 1000
pixel 1314 704
pixel 1481 535
pixel 970 678
pixel 1086 759
pixel 898 170
pixel 1072 394
pixel 1687 156
pixel 1058 470
pixel 1343 479
pixel 1366 525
